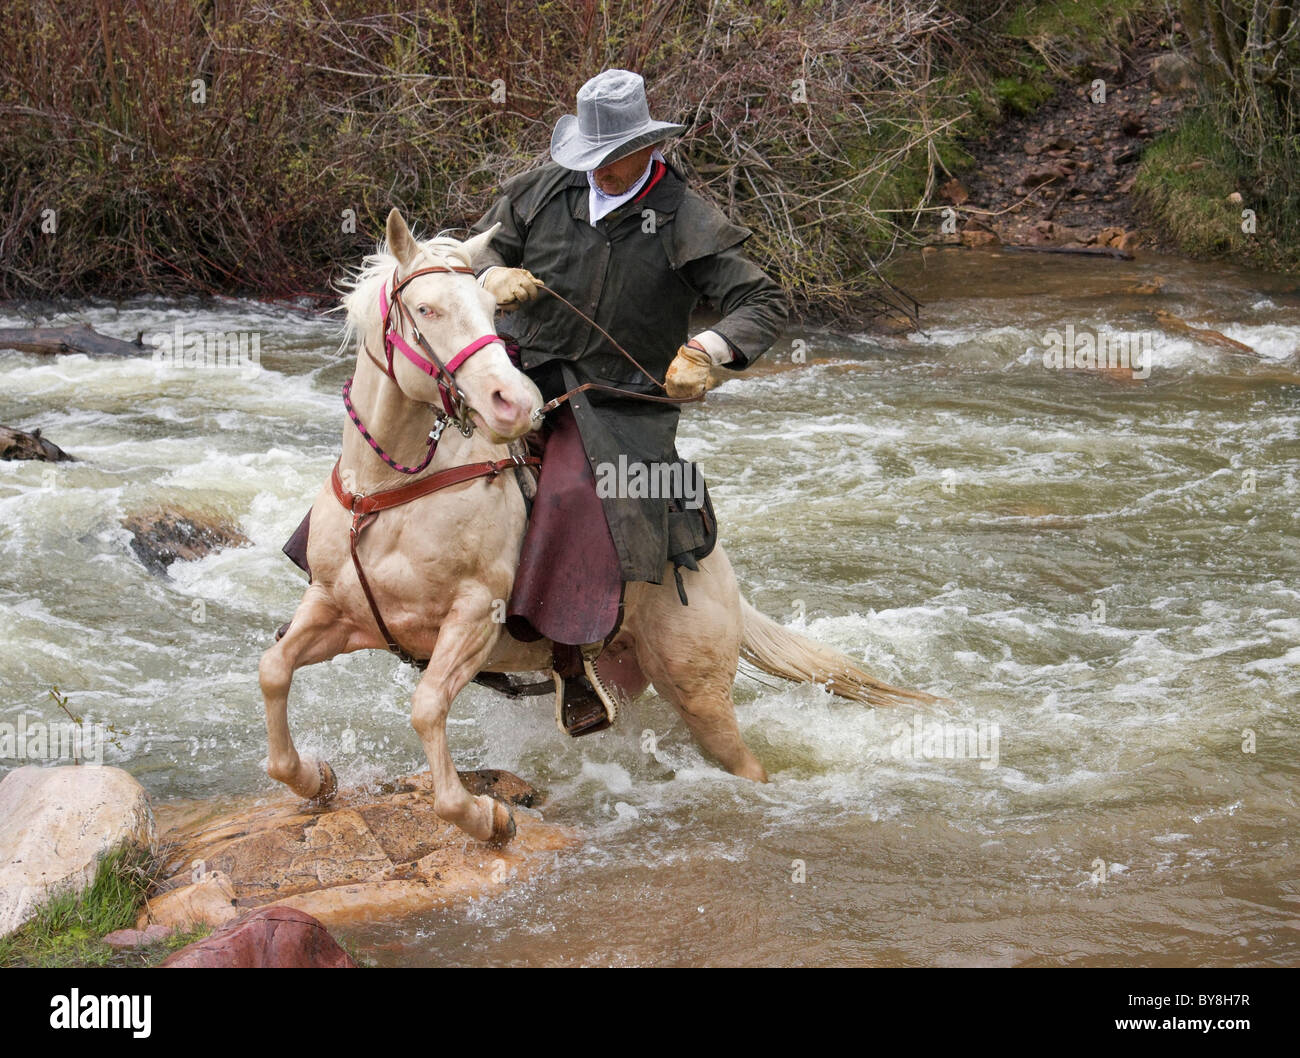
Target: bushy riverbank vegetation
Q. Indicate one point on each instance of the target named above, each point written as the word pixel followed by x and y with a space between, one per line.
pixel 254 146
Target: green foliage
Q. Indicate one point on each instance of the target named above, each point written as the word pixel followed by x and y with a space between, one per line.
pixel 1090 22
pixel 1022 96
pixel 1185 180
pixel 67 930
pixel 1248 57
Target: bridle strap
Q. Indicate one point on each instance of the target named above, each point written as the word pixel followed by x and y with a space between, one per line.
pixel 455 407
pixel 429 363
pixel 478 343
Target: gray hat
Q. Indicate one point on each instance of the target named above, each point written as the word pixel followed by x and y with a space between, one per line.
pixel 613 121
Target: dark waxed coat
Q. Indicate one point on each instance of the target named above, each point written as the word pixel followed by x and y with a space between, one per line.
pixel 639 276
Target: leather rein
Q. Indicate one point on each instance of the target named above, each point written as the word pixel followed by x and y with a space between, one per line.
pixel 551 405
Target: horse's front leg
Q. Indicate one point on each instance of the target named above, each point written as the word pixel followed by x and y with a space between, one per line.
pixel 315 634
pixel 463 646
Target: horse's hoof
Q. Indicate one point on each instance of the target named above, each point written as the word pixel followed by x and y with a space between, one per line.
pixel 329 784
pixel 503 824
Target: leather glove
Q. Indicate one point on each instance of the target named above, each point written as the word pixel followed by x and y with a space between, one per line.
pixel 511 286
pixel 688 374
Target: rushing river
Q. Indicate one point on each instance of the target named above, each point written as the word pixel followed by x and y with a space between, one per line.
pixel 1101 574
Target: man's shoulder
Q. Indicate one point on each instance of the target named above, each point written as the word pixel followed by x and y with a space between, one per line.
pixel 700 228
pixel 531 190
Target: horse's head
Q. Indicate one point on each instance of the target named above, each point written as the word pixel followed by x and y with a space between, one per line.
pixel 452 313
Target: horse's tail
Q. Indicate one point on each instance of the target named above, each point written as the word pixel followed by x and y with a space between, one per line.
pixel 780 652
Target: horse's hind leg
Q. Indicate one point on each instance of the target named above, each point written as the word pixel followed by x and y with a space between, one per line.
pixel 461 651
pixel 315 634
pixel 706 705
pixel 690 654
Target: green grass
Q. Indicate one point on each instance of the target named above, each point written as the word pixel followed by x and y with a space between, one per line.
pixel 1184 181
pixel 1090 22
pixel 1023 95
pixel 1059 40
pixel 67 930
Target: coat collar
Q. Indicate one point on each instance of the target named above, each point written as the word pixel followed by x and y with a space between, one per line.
pixel 664 197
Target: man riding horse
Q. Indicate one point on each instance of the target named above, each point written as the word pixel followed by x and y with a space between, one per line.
pixel 418 556
pixel 611 227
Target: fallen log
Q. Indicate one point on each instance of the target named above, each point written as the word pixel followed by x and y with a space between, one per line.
pixel 79 338
pixel 18 444
pixel 1170 322
pixel 1087 251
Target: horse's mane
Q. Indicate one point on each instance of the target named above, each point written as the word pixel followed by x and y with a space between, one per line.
pixel 360 288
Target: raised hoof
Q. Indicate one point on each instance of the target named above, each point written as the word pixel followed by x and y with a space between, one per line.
pixel 503 824
pixel 329 784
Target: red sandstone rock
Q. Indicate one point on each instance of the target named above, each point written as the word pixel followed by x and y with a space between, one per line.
pixel 268 937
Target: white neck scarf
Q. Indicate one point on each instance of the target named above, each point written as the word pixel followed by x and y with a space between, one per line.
pixel 600 204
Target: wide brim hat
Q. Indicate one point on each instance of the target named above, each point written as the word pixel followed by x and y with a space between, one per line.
pixel 613 121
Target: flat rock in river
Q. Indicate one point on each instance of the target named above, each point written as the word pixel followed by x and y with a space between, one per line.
pixel 369 855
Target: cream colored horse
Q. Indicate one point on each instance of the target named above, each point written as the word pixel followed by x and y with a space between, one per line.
pixel 442 566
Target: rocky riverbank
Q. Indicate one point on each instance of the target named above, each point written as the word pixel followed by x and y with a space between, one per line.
pixel 269 874
pixel 1063 175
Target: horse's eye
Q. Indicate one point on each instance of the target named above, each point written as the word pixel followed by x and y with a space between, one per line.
pixel 427 312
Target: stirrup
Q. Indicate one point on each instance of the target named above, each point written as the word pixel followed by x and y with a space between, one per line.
pixel 584 704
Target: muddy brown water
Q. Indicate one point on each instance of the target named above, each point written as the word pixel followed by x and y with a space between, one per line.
pixel 1101 574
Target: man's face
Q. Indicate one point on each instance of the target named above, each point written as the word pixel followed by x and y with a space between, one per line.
pixel 616 177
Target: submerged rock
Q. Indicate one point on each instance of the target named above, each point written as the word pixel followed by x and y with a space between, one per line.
pixel 58 824
pixel 18 444
pixel 160 537
pixel 370 855
pixel 270 937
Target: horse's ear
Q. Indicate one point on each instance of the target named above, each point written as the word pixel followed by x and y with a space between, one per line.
pixel 401 244
pixel 471 248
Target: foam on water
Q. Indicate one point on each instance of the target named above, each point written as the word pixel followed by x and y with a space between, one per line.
pixel 937 505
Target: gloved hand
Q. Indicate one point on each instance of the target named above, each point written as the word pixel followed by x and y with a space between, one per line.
pixel 688 374
pixel 511 286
